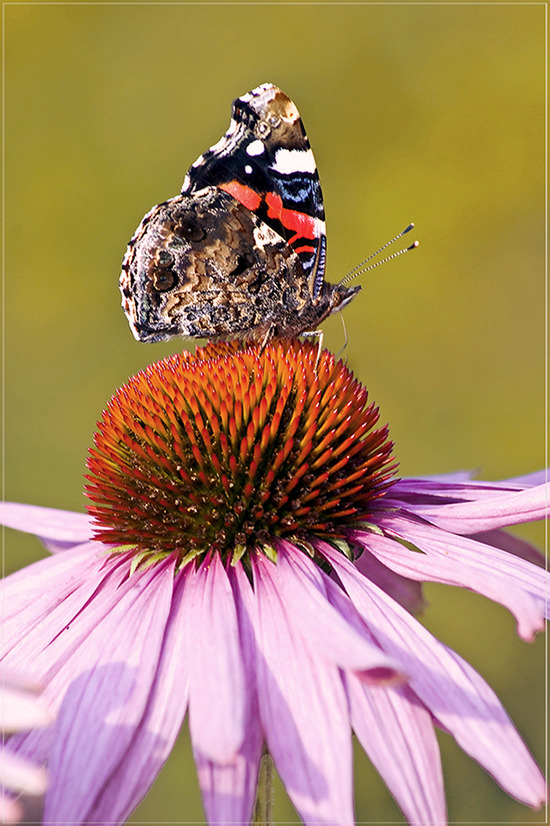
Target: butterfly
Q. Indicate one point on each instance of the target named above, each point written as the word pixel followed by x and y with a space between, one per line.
pixel 240 253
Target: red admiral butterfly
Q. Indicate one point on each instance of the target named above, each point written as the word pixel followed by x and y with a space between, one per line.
pixel 241 252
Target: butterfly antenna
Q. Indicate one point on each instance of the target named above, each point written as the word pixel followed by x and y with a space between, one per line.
pixel 360 269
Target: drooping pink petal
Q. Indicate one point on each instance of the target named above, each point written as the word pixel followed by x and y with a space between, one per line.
pixel 487 514
pixel 512 545
pixel 459 561
pixel 11 810
pixel 41 602
pixel 454 693
pixel 463 550
pixel 20 775
pixel 407 592
pixel 460 486
pixel 217 687
pixel 160 725
pixel 225 786
pixel 397 733
pixel 20 705
pixel 528 480
pixel 108 696
pixel 229 789
pixel 97 666
pixel 57 529
pixel 453 477
pixel 22 783
pixel 311 748
pixel 327 630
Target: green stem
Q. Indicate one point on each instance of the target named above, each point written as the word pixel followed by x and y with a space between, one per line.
pixel 263 808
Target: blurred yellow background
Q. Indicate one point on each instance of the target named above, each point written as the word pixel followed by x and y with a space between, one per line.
pixel 430 112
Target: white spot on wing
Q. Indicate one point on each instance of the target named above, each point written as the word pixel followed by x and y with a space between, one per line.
pixel 255 148
pixel 288 161
pixel 248 169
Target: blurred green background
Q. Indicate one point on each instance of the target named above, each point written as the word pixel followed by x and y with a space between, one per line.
pixel 432 113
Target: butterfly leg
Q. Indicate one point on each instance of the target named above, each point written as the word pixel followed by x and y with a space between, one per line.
pixel 270 333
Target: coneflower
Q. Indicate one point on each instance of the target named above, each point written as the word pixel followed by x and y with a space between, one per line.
pixel 251 557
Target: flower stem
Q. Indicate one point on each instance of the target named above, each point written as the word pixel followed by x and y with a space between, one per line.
pixel 263 808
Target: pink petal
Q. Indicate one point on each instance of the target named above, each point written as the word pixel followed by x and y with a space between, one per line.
pixel 537 477
pixel 487 514
pixel 229 789
pixel 159 727
pixel 455 694
pixel 18 774
pixel 225 787
pixel 217 687
pixel 512 545
pixel 454 476
pixel 461 486
pixel 459 561
pixel 108 696
pixel 397 733
pixel 463 550
pixel 42 631
pixel 303 708
pixel 11 810
pixel 405 591
pixel 22 710
pixel 327 629
pixel 97 665
pixel 41 601
pixel 64 527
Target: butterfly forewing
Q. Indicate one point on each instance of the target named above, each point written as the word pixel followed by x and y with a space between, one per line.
pixel 265 161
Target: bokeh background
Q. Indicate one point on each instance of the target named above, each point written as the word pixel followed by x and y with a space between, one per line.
pixel 432 113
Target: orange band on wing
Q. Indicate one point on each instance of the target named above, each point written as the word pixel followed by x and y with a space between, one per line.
pixel 304 225
pixel 248 198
